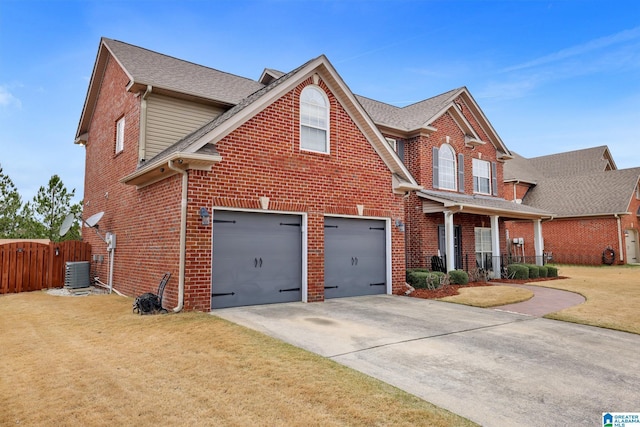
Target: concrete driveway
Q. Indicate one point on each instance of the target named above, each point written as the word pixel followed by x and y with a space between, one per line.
pixel 494 367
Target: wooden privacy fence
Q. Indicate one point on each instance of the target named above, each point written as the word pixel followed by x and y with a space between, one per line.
pixel 31 266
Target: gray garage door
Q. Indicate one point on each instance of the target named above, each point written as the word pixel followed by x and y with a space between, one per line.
pixel 257 259
pixel 354 257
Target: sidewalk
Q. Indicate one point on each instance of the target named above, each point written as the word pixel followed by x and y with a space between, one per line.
pixel 544 301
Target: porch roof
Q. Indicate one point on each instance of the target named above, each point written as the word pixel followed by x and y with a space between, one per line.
pixel 440 201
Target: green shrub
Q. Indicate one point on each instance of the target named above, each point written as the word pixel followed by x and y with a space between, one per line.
pixel 552 271
pixel 421 278
pixel 518 271
pixel 544 272
pixel 458 277
pixel 534 271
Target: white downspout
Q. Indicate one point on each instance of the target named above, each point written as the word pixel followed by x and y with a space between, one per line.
pixel 183 234
pixel 142 138
pixel 619 237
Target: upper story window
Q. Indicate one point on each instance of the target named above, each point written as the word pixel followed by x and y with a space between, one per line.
pixel 398 147
pixel 481 176
pixel 446 167
pixel 314 120
pixel 120 135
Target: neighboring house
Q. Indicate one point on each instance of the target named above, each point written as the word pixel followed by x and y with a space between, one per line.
pixel 248 192
pixel 596 206
pixel 455 154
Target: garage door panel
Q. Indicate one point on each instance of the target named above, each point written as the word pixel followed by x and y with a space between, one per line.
pixel 355 257
pixel 257 259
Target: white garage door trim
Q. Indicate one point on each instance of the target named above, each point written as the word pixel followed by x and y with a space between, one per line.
pixel 388 249
pixel 304 220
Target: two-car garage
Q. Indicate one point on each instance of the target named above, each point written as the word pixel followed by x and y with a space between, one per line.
pixel 259 258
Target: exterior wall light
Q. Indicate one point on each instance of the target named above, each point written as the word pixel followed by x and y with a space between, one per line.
pixel 205 216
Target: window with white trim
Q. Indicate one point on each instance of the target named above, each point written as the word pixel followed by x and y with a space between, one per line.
pixel 483 247
pixel 446 168
pixel 314 120
pixel 481 176
pixel 120 135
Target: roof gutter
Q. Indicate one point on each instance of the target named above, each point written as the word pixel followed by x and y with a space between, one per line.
pixel 183 234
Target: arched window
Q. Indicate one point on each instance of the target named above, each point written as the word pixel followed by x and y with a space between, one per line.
pixel 446 167
pixel 314 120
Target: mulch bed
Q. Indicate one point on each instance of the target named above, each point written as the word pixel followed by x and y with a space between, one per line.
pixel 449 290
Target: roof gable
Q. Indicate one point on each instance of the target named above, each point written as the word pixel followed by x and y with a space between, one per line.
pixel 165 74
pixel 585 161
pixel 248 107
pixel 419 117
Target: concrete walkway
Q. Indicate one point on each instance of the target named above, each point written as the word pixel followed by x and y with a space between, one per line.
pixel 544 301
pixel 494 367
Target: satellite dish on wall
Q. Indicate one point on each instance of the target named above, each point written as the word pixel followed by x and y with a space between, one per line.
pixel 66 224
pixel 93 219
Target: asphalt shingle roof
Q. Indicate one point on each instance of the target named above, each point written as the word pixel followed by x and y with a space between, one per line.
pixel 410 117
pixel 485 202
pixel 575 183
pixel 577 162
pixel 520 168
pixel 596 193
pixel 151 68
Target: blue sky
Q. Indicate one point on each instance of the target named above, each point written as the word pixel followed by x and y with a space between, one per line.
pixel 550 75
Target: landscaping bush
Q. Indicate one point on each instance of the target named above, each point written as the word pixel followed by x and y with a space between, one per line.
pixel 534 271
pixel 421 278
pixel 518 271
pixel 552 271
pixel 458 277
pixel 415 270
pixel 544 272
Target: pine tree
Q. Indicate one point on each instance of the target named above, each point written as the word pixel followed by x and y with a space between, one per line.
pixel 10 206
pixel 50 207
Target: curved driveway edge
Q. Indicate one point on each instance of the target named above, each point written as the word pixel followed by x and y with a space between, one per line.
pixel 544 301
pixel 493 367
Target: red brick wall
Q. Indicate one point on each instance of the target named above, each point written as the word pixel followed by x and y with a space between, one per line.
pixel 261 158
pixel 519 193
pixel 572 241
pixel 422 229
pixel 145 221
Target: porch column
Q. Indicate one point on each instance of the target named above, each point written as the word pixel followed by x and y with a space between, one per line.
pixel 538 242
pixel 448 235
pixel 495 247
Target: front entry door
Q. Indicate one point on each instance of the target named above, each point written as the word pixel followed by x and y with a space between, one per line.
pixel 631 240
pixel 457 244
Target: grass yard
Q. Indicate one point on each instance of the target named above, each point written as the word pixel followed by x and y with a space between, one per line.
pixel 612 293
pixel 489 296
pixel 612 296
pixel 89 361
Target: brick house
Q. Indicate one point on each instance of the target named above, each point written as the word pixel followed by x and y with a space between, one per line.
pixel 455 154
pixel 285 188
pixel 596 206
pixel 248 192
